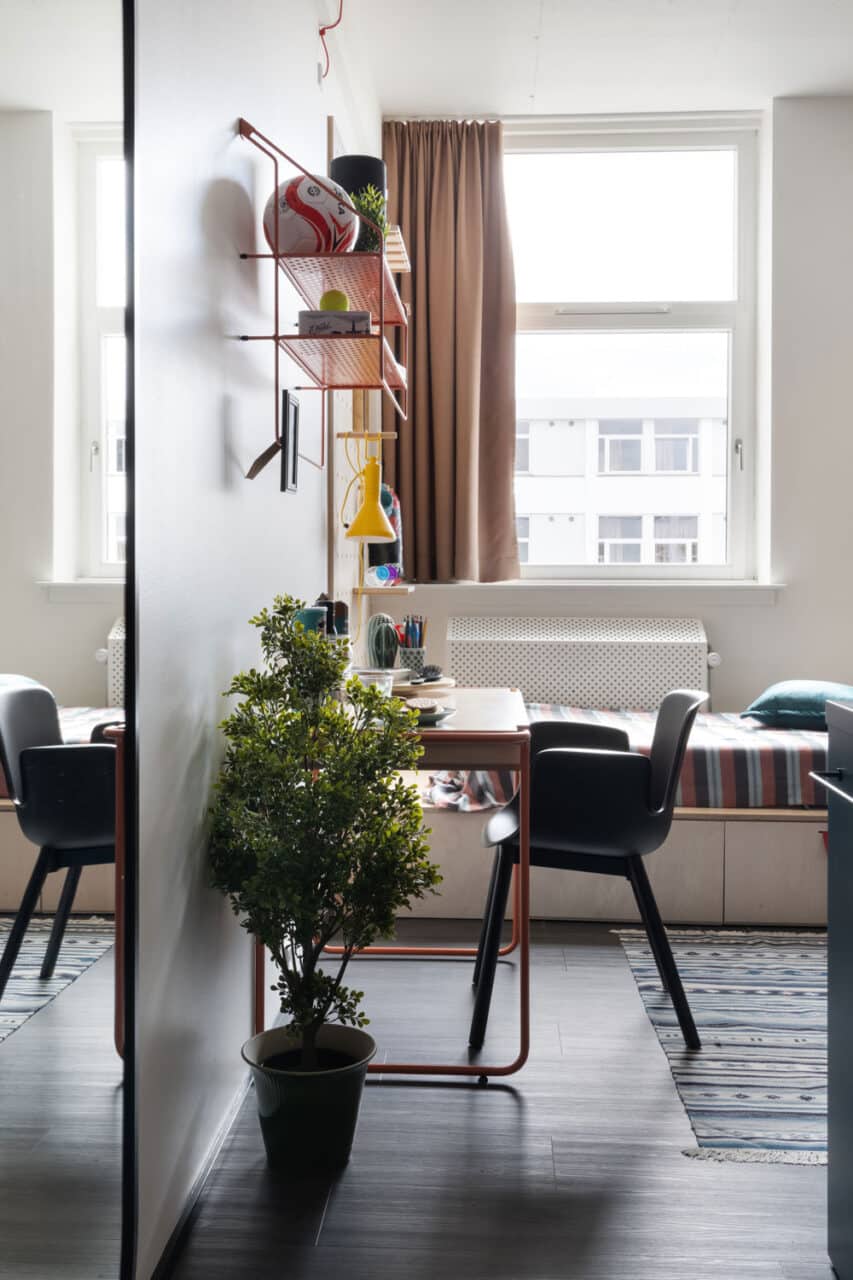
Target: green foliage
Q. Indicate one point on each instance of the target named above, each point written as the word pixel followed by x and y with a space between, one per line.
pixel 382 640
pixel 371 202
pixel 314 835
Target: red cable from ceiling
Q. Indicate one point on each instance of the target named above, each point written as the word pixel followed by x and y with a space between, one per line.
pixel 330 26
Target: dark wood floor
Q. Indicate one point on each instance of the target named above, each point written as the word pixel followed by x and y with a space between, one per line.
pixel 60 1138
pixel 572 1170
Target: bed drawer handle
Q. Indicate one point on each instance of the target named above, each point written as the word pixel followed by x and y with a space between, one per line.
pixel 828 779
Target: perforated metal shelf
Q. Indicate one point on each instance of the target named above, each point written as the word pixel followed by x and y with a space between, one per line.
pixel 343 361
pixel 355 274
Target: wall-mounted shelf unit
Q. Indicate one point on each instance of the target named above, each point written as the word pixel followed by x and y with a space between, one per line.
pixel 344 362
pixel 402 589
pixel 347 362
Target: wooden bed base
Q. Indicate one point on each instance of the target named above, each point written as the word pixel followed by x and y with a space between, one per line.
pixel 719 866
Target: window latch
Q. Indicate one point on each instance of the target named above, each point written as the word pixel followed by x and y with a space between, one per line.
pixel 94 452
pixel 738 446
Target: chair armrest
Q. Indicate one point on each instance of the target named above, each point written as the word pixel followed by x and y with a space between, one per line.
pixel 594 802
pixel 68 796
pixel 545 734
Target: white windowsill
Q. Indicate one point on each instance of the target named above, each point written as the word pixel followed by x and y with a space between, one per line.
pixel 84 590
pixel 713 591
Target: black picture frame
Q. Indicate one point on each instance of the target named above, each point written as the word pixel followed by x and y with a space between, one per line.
pixel 289 442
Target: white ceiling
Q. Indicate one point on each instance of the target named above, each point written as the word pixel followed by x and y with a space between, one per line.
pixel 555 57
pixel 63 56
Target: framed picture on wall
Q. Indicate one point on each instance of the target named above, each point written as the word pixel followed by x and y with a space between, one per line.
pixel 289 442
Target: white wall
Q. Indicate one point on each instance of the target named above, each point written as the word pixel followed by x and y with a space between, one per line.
pixel 53 641
pixel 805 630
pixel 212 547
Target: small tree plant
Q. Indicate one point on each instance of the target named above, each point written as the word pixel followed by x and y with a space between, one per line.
pixel 315 836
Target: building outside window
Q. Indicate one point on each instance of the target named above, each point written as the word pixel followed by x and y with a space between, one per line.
pixel 676 539
pixel 620 539
pixel 635 345
pixel 677 446
pixel 620 446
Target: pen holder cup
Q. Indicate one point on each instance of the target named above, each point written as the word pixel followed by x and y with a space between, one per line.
pixel 413 659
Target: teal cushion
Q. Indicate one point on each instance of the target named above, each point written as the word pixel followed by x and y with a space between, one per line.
pixel 797 704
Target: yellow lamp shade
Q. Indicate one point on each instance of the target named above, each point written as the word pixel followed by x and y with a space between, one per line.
pixel 371 523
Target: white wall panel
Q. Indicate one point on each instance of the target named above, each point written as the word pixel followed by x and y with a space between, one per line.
pixel 212 547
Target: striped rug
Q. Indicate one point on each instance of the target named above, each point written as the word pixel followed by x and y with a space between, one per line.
pixel 85 941
pixel 757 1089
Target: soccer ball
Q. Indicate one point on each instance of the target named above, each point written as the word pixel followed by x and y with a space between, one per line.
pixel 310 220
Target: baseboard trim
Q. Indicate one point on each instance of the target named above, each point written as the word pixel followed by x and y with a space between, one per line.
pixel 176 1240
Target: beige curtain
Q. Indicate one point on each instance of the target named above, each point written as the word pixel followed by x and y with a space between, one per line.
pixel 452 464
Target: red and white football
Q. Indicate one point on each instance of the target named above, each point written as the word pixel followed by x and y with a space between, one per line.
pixel 310 219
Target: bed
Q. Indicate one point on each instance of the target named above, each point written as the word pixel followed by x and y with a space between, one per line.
pixel 731 763
pixel 746 846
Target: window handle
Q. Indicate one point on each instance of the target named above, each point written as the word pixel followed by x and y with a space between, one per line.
pixel 739 453
pixel 94 452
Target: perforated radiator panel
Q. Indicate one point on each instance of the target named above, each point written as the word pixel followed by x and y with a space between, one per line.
pixel 115 663
pixel 581 662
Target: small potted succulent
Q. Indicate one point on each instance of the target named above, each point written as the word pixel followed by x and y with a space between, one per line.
pixel 315 838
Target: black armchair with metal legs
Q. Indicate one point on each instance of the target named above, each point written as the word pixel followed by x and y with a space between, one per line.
pixel 64 799
pixel 595 806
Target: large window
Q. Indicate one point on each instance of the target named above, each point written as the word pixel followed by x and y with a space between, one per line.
pixel 635 263
pixel 102 294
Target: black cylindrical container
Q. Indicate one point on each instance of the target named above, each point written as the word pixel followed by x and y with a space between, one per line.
pixel 354 173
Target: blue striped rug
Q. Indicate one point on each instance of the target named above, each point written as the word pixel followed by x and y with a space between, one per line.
pixel 757 1088
pixel 85 941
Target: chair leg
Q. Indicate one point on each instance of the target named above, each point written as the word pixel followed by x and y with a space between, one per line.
pixel 650 932
pixel 662 951
pixel 491 948
pixel 60 920
pixel 487 914
pixel 22 919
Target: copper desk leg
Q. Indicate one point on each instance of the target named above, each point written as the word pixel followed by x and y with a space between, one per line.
pixel 520 938
pixel 523 922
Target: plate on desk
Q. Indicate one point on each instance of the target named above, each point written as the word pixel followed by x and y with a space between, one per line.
pixel 436 717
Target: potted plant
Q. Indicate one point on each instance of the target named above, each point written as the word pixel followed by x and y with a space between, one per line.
pixel 371 203
pixel 314 837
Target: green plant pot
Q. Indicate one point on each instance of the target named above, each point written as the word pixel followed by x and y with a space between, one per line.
pixel 308 1118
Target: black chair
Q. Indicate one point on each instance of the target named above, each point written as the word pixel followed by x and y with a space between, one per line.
pixel 595 806
pixel 65 802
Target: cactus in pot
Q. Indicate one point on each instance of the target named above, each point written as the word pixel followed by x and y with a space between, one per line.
pixel 382 640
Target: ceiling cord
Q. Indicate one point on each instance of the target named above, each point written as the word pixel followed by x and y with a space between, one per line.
pixel 329 26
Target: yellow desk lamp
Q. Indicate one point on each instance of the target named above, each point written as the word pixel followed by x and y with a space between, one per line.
pixel 370 523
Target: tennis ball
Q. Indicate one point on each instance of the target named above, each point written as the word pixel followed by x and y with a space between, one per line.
pixel 334 300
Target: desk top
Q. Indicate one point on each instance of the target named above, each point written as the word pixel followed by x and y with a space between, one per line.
pixel 488 713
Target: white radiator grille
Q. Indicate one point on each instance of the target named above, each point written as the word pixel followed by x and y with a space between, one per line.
pixel 115 664
pixel 581 662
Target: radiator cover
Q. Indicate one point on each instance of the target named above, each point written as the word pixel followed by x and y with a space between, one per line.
pixel 116 664
pixel 581 662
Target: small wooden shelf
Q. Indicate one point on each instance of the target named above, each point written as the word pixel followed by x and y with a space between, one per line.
pixel 343 361
pixel 355 274
pixel 366 435
pixel 401 589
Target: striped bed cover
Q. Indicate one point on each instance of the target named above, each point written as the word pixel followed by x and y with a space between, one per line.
pixel 731 763
pixel 77 725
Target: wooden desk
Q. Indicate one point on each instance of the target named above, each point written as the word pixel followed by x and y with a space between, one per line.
pixel 489 730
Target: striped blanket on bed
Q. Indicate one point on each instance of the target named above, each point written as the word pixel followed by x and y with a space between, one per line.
pixel 730 763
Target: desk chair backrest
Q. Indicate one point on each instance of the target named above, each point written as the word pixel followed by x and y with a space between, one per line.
pixel 28 718
pixel 675 718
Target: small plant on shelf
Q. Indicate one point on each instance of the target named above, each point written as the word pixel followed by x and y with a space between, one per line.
pixel 371 203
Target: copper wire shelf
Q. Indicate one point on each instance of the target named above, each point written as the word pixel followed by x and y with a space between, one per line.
pixel 344 361
pixel 336 362
pixel 355 274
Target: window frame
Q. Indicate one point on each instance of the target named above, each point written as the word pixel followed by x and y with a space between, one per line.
pixel 94 324
pixel 740 133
